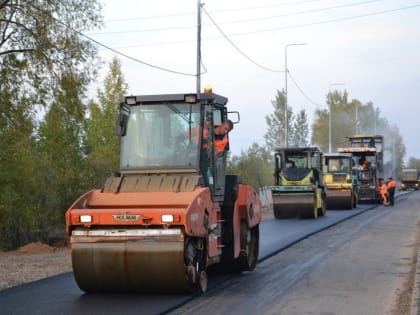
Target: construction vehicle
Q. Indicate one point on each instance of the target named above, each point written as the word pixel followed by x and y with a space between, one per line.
pixel 171 211
pixel 409 179
pixel 342 185
pixel 367 153
pixel 298 189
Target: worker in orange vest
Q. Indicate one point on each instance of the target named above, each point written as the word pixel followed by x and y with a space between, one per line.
pixel 220 136
pixel 221 141
pixel 391 190
pixel 383 190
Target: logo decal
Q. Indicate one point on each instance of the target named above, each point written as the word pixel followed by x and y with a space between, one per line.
pixel 126 217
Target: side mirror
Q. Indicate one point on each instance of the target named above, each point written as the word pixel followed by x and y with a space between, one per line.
pixel 234 116
pixel 122 120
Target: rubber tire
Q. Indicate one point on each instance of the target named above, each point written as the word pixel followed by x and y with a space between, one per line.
pixel 323 209
pixel 248 256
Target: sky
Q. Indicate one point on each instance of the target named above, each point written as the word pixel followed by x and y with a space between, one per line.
pixel 371 49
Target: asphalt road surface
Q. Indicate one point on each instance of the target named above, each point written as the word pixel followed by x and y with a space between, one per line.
pixel 290 254
pixel 365 265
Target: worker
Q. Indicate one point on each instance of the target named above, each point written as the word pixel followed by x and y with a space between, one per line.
pixel 334 166
pixel 220 136
pixel 363 163
pixel 383 191
pixel 221 141
pixel 391 190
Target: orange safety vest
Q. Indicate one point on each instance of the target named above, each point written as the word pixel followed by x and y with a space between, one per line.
pixel 384 191
pixel 220 145
pixel 392 184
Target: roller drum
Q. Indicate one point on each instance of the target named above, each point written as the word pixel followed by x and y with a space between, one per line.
pixel 141 266
pixel 286 205
pixel 339 199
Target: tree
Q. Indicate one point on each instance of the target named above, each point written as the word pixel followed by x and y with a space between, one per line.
pixel 61 168
pixel 274 137
pixel 300 131
pixel 350 118
pixel 18 209
pixel 255 166
pixel 45 66
pixel 414 163
pixel 42 36
pixel 343 121
pixel 102 143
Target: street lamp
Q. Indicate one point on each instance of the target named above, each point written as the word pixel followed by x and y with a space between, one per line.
pixel 285 89
pixel 329 116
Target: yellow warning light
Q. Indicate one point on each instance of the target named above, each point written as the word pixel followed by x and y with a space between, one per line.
pixel 208 89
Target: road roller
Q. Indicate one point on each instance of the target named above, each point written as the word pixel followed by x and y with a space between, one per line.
pixel 298 189
pixel 171 210
pixel 342 185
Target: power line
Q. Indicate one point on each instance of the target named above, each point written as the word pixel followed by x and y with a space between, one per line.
pixel 328 21
pixel 301 90
pixel 175 28
pixel 127 56
pixel 114 50
pixel 285 27
pixel 237 48
pixel 215 11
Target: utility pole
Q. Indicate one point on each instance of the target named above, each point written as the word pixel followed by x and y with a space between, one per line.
pixel 198 71
pixel 357 118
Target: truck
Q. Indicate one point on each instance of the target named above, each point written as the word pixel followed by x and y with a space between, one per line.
pixel 171 211
pixel 368 162
pixel 298 189
pixel 342 184
pixel 409 179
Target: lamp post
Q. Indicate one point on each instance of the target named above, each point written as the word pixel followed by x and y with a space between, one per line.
pixel 198 74
pixel 329 116
pixel 285 89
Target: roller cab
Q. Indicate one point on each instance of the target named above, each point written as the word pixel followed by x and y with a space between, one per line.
pixel 170 212
pixel 342 185
pixel 299 190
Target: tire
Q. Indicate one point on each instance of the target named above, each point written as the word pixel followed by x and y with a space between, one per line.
pixel 248 255
pixel 323 209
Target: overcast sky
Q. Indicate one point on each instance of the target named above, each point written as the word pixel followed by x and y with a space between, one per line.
pixel 369 48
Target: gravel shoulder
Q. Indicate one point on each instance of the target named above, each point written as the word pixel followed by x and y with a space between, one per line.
pixel 33 262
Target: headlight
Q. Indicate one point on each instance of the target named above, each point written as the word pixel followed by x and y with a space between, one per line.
pixel 85 218
pixel 167 218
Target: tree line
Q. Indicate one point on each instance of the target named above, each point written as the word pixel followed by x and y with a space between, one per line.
pixel 55 145
pixel 348 118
